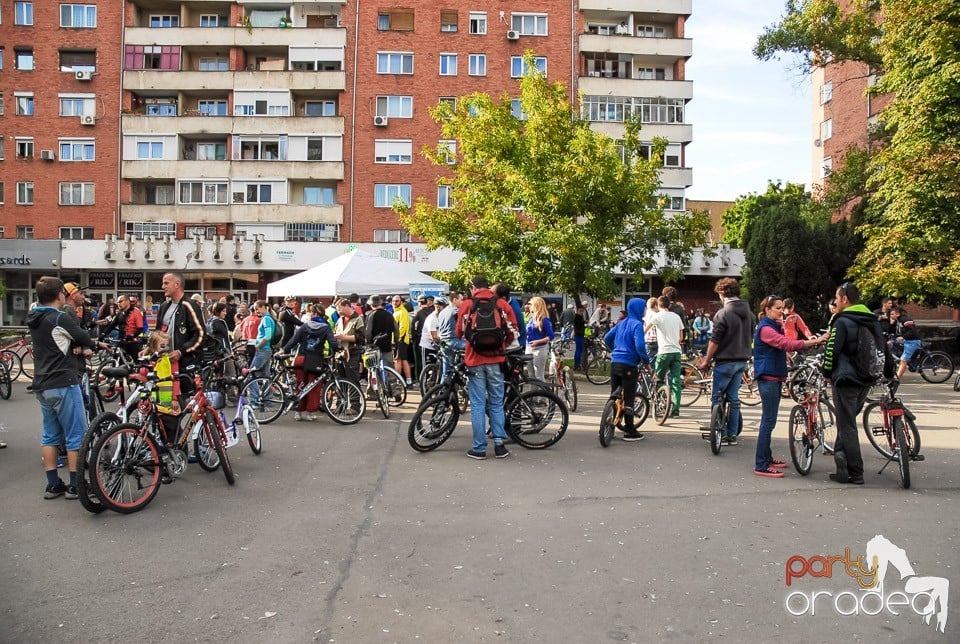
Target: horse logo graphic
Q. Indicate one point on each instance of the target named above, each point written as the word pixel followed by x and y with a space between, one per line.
pixel 882 553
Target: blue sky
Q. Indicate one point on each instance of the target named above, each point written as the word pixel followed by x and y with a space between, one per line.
pixel 751 119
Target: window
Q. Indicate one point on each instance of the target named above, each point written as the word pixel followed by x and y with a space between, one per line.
pixel 149 149
pixel 651 73
pixel 448 64
pixel 395 20
pixel 320 108
pixel 141 229
pixel 395 106
pixel 76 61
pixel 518 66
pixel 1 58
pixel 448 100
pixel 529 24
pixel 211 151
pixel 151 57
pixel 23 13
pixel 254 193
pixel 390 236
pixel 620 108
pixel 651 31
pixel 24 103
pixel 78 16
pixel 77 150
pixel 448 20
pixel 261 104
pixel 444 197
pixel 25 198
pixel 312 232
pixel 161 195
pixel 25 147
pixel 384 194
pixel 211 20
pixel 826 129
pixel 162 21
pixel 316 59
pixel 25 232
pixel 393 151
pixel 213 64
pixel 160 107
pixel 449 147
pixel 76 105
pixel 826 167
pixel 517 110
pixel 23 59
pixel 76 232
pixel 319 196
pixel 1 147
pixel 478 23
pixel 260 149
pixel 76 193
pixel 1 201
pixel 203 192
pixel 478 65
pixel 394 63
pixel 826 93
pixel 212 108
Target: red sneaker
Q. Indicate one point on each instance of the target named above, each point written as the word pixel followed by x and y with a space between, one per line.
pixel 770 473
pixel 777 463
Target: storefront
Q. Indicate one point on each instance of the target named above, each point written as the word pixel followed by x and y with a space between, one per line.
pixel 22 263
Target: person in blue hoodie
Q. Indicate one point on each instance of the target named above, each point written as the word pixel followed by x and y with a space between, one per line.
pixel 628 350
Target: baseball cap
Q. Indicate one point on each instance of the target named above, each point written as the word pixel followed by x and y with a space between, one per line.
pixel 72 287
pixel 290 298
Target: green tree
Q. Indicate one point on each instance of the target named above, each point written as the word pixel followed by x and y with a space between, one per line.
pixel 545 203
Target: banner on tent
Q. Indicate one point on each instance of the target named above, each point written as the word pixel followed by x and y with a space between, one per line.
pixel 416 290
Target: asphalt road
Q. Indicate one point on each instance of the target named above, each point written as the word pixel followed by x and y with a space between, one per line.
pixel 347 535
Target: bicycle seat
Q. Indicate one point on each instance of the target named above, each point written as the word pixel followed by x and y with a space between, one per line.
pixel 521 357
pixel 116 372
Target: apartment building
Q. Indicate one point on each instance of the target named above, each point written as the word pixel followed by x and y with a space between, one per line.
pixel 59 127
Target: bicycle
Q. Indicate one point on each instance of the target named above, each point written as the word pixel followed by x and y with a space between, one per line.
pixel 933 366
pixel 612 416
pixel 596 358
pixel 719 423
pixel 660 394
pixel 561 377
pixel 812 425
pixel 17 357
pixel 116 357
pixel 897 431
pixel 387 383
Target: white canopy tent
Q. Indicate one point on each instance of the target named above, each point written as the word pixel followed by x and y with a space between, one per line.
pixel 354 272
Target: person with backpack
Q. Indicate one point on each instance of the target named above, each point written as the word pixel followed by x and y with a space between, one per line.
pixel 268 335
pixel 289 320
pixel 311 339
pixel 854 361
pixel 484 322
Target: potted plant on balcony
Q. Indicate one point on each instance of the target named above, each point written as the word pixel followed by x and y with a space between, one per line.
pixel 285 23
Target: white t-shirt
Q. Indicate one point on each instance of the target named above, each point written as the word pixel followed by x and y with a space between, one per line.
pixel 668 325
pixel 429 324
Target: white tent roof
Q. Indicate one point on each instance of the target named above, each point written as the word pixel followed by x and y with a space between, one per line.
pixel 353 272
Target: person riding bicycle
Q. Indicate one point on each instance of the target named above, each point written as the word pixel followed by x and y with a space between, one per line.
pixel 311 339
pixel 730 346
pixel 628 349
pixel 905 331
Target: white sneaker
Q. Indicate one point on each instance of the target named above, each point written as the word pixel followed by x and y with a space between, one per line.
pixel 297 416
pixel 312 417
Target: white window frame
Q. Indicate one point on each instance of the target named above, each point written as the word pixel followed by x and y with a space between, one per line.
pixel 77 150
pixel 207 146
pixel 204 105
pixel 448 64
pixel 25 232
pixel 257 188
pixel 529 24
pixel 25 147
pixel 324 105
pixel 393 151
pixel 140 229
pixel 516 110
pixel 826 167
pixel 515 60
pixel 451 145
pixel 24 18
pixel 394 106
pixel 85 11
pixel 163 17
pixel 391 236
pixel 478 23
pixel 826 129
pixel 213 64
pixel 29 103
pixel 87 193
pixel 651 31
pixel 477 65
pixel 216 186
pixel 445 197
pixel 449 27
pixel 826 92
pixel 24 193
pixel 212 20
pixel 151 149
pixel 324 190
pixel 387 59
pixel 384 194
pixel 69 104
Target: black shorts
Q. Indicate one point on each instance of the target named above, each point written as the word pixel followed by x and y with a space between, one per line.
pixel 404 351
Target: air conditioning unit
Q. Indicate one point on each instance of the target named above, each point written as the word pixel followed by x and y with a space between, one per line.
pixel 83 75
pixel 380 121
pixel 46 155
pixel 513 35
pixel 88 119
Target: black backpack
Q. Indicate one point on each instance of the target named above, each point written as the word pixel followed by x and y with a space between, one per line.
pixel 277 333
pixel 486 327
pixel 869 357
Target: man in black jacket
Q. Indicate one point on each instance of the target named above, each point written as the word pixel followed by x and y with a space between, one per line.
pixel 182 319
pixel 381 323
pixel 289 320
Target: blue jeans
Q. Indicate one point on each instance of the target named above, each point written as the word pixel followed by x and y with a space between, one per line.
pixel 64 417
pixel 260 367
pixel 727 377
pixel 770 399
pixel 486 399
pixel 577 351
pixel 455 343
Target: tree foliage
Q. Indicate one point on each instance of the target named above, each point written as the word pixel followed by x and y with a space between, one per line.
pixel 545 203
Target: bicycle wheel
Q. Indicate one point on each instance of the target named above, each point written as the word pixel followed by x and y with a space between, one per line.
pixel 826 425
pixel 661 404
pixel 207 457
pixel 641 409
pixel 433 422
pixel 396 389
pixel 344 402
pixel 798 382
pixel 872 422
pixel 11 361
pixel 956 383
pixel 252 428
pixel 690 380
pixel 717 422
pixel 569 387
pixel 213 431
pixel 429 378
pixel 6 387
pixel 98 426
pixel 269 401
pixel 26 363
pixel 902 451
pixel 598 368
pixel 383 398
pixel 125 468
pixel 749 392
pixel 936 366
pixel 801 442
pixel 537 419
pixel 608 421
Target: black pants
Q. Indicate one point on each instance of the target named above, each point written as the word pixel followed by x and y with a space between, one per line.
pixel 625 375
pixel 848 401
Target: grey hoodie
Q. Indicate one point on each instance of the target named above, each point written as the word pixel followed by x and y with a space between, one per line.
pixel 733 331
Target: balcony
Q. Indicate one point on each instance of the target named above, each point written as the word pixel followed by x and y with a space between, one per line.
pixel 226 214
pixel 636 88
pixel 676 177
pixel 674 132
pixel 296 170
pixel 231 124
pixel 153 80
pixel 223 37
pixel 654 7
pixel 669 49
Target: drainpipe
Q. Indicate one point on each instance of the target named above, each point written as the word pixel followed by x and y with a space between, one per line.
pixel 353 113
pixel 123 40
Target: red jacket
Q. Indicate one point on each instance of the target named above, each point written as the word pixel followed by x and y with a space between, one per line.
pixel 471 357
pixel 134 324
